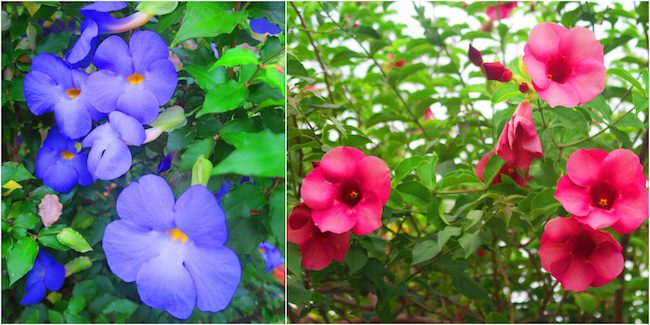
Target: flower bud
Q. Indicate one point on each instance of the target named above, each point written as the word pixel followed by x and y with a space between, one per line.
pixel 497 71
pixel 475 56
pixel 523 87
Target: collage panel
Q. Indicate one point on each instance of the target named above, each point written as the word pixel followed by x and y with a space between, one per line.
pixel 467 162
pixel 143 162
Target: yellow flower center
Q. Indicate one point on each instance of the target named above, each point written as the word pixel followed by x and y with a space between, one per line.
pixel 354 194
pixel 135 78
pixel 603 202
pixel 262 250
pixel 67 155
pixel 73 92
pixel 177 234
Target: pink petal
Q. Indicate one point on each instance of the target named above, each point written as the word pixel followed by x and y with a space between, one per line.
pixel 551 252
pixel 373 176
pixel 583 165
pixel 338 218
pixel 338 164
pixel 50 209
pixel 589 79
pixel 558 94
pixel 537 69
pixel 632 206
pixel 544 39
pixel 315 255
pixel 578 276
pixel 575 199
pixel 560 229
pixel 368 214
pixel 480 167
pixel 599 218
pixel 299 225
pixel 317 192
pixel 607 261
pixel 340 245
pixel 579 44
pixel 621 167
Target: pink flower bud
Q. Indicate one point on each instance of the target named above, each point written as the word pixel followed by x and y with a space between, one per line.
pixel 497 71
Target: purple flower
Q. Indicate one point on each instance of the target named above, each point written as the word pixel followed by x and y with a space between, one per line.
pixel 53 86
pixel 46 273
pixel 61 164
pixel 225 187
pixel 165 163
pixel 100 21
pixel 263 26
pixel 135 79
pixel 272 256
pixel 174 251
pixel 109 156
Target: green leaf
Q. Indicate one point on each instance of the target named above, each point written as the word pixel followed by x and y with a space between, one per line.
pixel 74 240
pixel 425 251
pixel 586 302
pixel 239 201
pixel 445 234
pixel 208 19
pixel 124 307
pixel 469 287
pixel 406 166
pixel 356 258
pixel 415 193
pixel 470 242
pixel 236 56
pixel 193 151
pixel 47 237
pixel 494 317
pixel 625 75
pixel 224 97
pixel 21 258
pixel 277 207
pixel 77 265
pixel 205 77
pixel 157 7
pixel 505 92
pixel 15 172
pixel 256 154
pixel 492 168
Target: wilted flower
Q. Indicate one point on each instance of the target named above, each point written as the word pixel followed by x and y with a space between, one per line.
pixel 46 273
pixel 61 164
pixel 519 142
pixel 50 209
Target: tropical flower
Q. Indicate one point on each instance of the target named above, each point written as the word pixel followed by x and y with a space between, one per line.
pixel 165 163
pixel 500 11
pixel 272 256
pixel 109 155
pixel 100 21
pixel 566 66
pixel 347 191
pixel 579 256
pixel 61 164
pixel 173 250
pixel 519 142
pixel 604 189
pixel 508 168
pixel 263 26
pixel 52 86
pixel 280 273
pixel 46 273
pixel 318 248
pixel 135 79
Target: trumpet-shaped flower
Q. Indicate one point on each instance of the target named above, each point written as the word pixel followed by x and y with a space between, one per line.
pixel 272 256
pixel 173 249
pixel 52 86
pixel 61 164
pixel 501 10
pixel 99 21
pixel 46 273
pixel 135 79
pixel 519 142
pixel 318 248
pixel 263 26
pixel 566 66
pixel 347 191
pixel 604 189
pixel 509 168
pixel 109 155
pixel 579 256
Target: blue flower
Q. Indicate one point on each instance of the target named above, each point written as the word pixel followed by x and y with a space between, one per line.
pixel 225 188
pixel 165 163
pixel 100 21
pixel 272 256
pixel 46 273
pixel 263 26
pixel 109 156
pixel 61 164
pixel 173 250
pixel 135 79
pixel 52 86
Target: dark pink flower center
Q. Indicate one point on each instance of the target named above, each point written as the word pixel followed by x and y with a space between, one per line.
pixel 350 193
pixel 298 220
pixel 558 69
pixel 603 196
pixel 583 246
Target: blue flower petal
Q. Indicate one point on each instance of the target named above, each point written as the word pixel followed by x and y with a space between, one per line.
pixel 263 26
pixel 109 160
pixel 103 6
pixel 161 79
pixel 73 118
pixel 272 256
pixel 54 272
pixel 128 128
pixel 34 294
pixel 148 203
pixel 104 88
pixel 113 55
pixel 61 177
pixel 81 53
pixel 45 158
pixel 165 163
pixel 215 286
pixel 200 217
pixel 80 164
pixel 147 47
pixel 139 103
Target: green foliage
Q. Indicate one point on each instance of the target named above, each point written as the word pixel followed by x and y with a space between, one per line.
pixel 196 132
pixel 453 248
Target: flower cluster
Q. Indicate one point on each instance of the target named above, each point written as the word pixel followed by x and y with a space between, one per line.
pixel 345 192
pixel 130 85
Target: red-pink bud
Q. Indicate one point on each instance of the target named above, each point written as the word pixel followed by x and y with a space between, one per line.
pixel 523 87
pixel 475 56
pixel 399 63
pixel 497 71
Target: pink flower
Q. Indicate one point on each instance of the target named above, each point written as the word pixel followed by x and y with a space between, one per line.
pixel 508 168
pixel 50 209
pixel 347 191
pixel 318 248
pixel 579 256
pixel 519 143
pixel 605 189
pixel 497 71
pixel 566 66
pixel 500 11
pixel 428 114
